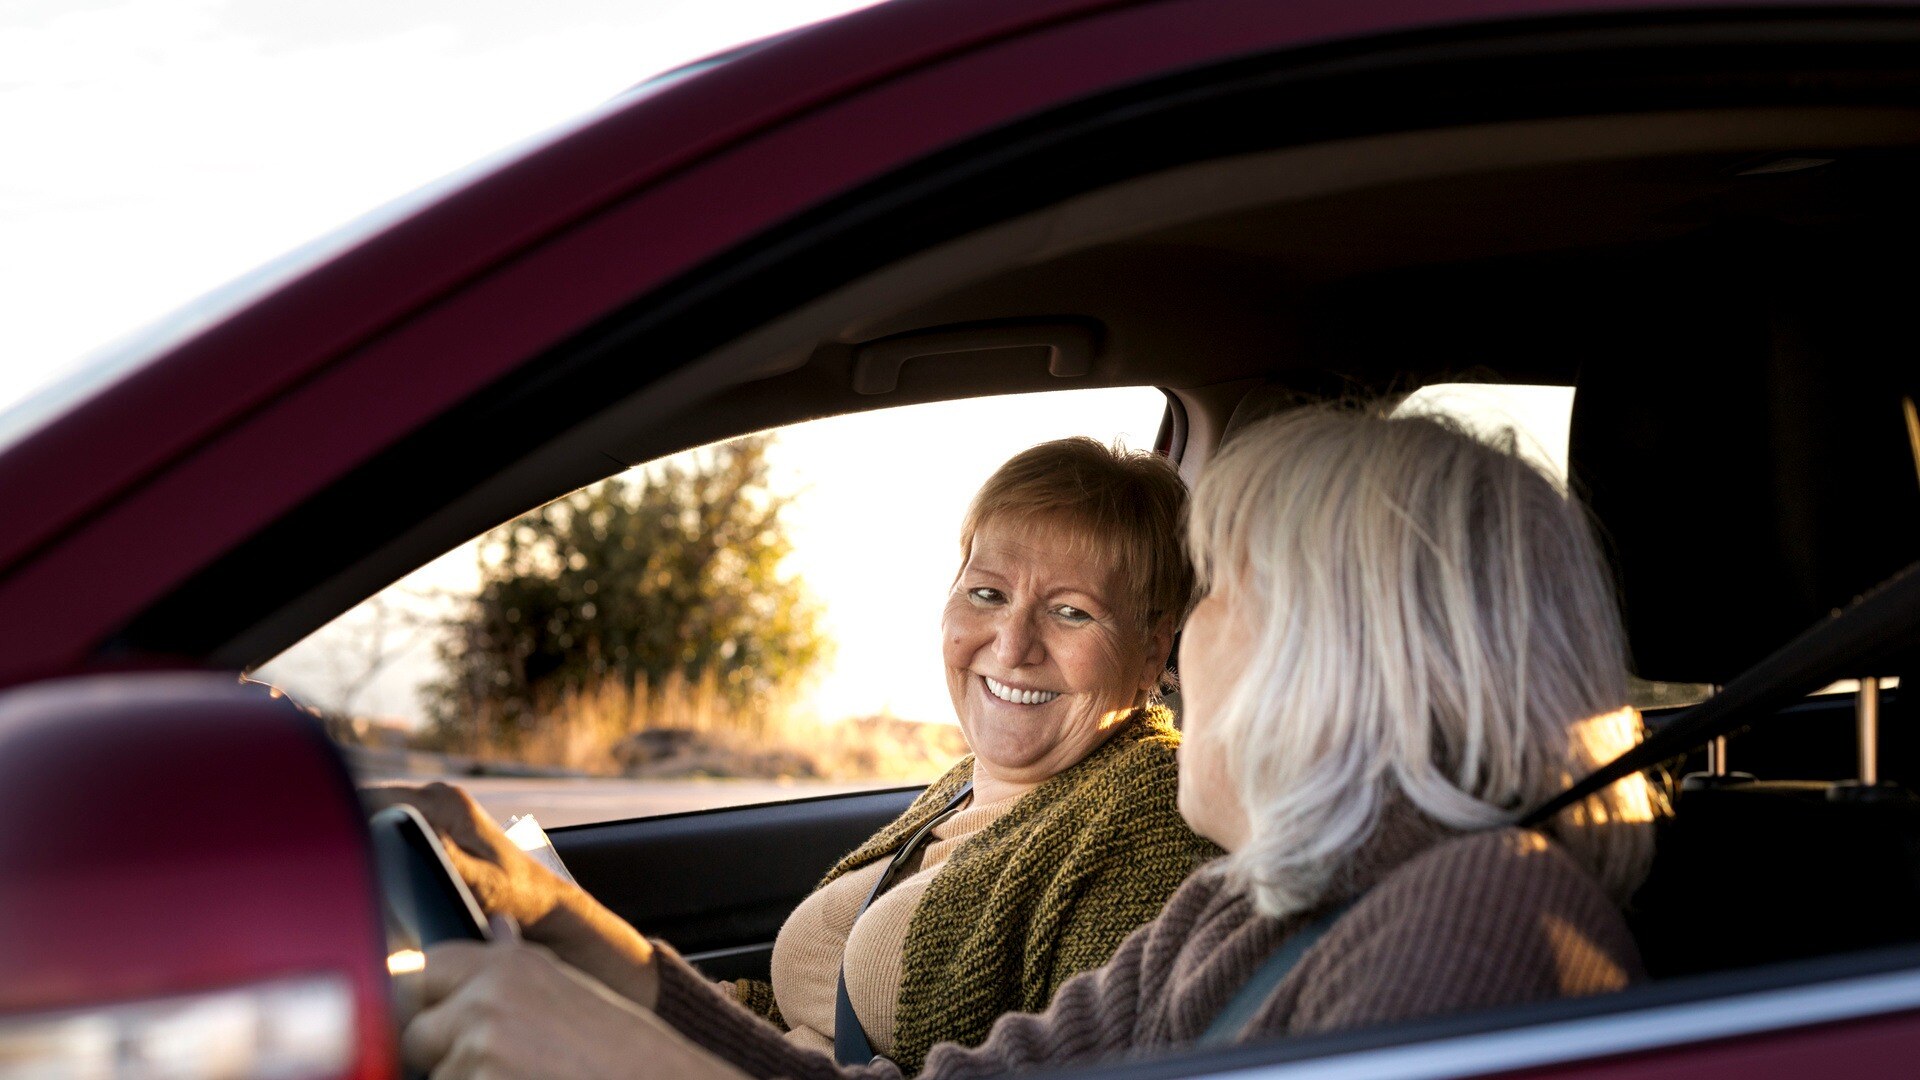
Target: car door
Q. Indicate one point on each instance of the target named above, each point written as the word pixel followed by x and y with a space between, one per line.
pixel 717 884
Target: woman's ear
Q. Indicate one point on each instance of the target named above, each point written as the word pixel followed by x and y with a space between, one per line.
pixel 1159 649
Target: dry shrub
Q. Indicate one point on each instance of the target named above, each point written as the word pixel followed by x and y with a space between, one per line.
pixel 885 747
pixel 682 729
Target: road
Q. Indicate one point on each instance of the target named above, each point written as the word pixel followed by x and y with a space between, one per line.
pixel 578 800
pixel 566 801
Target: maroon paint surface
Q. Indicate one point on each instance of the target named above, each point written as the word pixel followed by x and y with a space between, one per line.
pixel 1883 1048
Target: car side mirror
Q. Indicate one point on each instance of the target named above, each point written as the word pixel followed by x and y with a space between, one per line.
pixel 185 884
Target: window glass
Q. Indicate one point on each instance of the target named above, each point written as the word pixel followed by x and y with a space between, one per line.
pixel 1540 417
pixel 746 622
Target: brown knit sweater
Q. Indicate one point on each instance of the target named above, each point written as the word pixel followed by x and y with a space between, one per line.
pixel 1047 891
pixel 1475 921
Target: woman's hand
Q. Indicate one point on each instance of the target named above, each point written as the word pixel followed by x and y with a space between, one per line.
pixel 504 879
pixel 510 1009
pixel 507 881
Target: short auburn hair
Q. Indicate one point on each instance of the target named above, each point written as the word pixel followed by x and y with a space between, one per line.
pixel 1127 507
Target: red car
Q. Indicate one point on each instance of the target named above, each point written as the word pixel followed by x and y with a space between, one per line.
pixel 1699 216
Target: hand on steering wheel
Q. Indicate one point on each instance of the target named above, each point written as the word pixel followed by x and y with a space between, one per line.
pixel 504 879
pixel 550 910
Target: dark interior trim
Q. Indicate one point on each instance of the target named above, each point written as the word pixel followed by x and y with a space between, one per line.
pixel 719 883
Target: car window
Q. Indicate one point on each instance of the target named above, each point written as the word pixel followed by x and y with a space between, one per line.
pixel 1540 417
pixel 744 622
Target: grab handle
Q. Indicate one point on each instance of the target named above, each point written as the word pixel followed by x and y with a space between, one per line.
pixel 877 364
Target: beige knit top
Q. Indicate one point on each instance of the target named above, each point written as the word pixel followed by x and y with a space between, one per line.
pixel 807 955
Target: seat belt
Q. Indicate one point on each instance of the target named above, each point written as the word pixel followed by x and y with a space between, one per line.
pixel 1876 628
pixel 1233 1019
pixel 850 1043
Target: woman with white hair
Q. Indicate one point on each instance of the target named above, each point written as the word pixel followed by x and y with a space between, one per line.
pixel 1408 638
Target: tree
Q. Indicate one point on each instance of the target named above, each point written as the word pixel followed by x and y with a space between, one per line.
pixel 676 571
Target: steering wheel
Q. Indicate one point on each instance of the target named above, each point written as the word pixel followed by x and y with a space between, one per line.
pixel 424 899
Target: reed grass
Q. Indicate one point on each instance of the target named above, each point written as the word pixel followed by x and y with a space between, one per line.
pixel 682 728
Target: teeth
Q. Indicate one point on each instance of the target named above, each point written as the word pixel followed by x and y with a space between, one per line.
pixel 1019 697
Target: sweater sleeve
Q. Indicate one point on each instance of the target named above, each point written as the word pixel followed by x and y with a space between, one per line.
pixel 707 1013
pixel 1500 919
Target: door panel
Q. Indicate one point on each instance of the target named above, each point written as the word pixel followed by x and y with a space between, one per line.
pixel 717 884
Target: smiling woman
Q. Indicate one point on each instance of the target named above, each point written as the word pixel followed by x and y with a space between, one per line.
pixel 1030 860
pixel 1059 624
pixel 1056 636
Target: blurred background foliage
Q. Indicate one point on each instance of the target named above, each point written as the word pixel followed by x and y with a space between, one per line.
pixel 665 589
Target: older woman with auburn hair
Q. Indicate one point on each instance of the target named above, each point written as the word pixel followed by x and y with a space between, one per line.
pixel 1408 638
pixel 1030 860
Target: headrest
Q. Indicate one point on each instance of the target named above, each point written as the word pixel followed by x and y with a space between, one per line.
pixel 1750 459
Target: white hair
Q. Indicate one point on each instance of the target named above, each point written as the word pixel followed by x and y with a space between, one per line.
pixel 1430 620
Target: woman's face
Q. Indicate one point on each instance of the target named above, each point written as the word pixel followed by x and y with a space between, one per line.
pixel 1044 654
pixel 1214 648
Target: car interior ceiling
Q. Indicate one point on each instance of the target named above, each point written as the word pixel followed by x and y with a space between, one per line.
pixel 1529 262
pixel 1725 288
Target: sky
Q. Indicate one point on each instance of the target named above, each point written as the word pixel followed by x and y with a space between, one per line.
pixel 155 149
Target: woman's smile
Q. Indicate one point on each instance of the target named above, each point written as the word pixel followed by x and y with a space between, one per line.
pixel 1016 695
